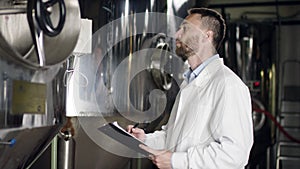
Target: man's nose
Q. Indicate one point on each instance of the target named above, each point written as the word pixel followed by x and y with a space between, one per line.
pixel 178 34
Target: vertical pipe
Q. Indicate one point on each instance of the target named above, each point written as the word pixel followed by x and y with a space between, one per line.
pixel 5 98
pixel 278 87
pixel 54 153
pixel 66 150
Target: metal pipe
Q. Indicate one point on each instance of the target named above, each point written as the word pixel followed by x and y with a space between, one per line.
pixel 7 11
pixel 66 150
pixel 54 153
pixel 5 98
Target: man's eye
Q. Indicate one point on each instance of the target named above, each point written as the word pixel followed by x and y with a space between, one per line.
pixel 184 28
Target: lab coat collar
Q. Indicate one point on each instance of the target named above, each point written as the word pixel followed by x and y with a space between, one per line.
pixel 206 74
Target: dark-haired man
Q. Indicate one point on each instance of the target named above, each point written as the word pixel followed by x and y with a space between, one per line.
pixel 210 126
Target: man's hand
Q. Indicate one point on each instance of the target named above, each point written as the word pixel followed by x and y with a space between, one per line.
pixel 137 132
pixel 161 158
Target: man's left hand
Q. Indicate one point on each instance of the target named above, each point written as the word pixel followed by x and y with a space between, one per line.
pixel 161 158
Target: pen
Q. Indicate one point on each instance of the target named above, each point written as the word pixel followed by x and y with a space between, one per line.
pixel 135 126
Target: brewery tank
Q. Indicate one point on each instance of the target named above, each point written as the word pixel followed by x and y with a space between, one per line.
pixel 32 92
pixel 127 65
pixel 250 52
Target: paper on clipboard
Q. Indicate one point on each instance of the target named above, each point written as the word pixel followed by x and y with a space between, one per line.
pixel 116 132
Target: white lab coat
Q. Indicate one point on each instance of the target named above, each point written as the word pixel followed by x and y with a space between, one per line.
pixel 210 126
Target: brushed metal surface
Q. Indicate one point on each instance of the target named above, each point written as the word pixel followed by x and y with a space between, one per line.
pixel 16 41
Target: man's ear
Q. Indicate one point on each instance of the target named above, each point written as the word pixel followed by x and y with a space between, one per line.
pixel 209 34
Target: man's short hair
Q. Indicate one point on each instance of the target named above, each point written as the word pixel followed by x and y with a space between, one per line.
pixel 214 21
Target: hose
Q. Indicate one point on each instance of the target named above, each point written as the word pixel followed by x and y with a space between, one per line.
pixel 277 124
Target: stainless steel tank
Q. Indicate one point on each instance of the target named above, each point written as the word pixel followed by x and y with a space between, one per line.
pixel 131 76
pixel 118 82
pixel 250 52
pixel 32 95
pixel 22 36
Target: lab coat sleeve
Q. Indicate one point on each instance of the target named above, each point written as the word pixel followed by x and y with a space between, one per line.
pixel 157 139
pixel 233 138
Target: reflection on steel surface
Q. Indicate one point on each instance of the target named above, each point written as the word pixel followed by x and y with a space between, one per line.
pixel 17 45
pixel 116 81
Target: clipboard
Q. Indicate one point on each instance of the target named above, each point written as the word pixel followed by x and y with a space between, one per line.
pixel 116 132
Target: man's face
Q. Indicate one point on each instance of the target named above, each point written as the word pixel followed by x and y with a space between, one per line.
pixel 188 37
pixel 185 39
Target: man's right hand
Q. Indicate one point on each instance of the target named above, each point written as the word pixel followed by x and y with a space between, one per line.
pixel 136 132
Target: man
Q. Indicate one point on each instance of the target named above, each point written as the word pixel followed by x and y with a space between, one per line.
pixel 210 125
